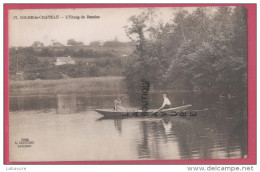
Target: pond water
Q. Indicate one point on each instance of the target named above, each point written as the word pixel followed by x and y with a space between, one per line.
pixel 66 128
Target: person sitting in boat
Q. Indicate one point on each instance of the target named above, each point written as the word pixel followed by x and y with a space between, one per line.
pixel 166 102
pixel 118 104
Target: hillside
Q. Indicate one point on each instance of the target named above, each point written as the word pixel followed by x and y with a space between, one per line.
pixel 40 62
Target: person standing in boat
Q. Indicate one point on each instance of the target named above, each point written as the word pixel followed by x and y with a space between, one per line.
pixel 118 104
pixel 166 102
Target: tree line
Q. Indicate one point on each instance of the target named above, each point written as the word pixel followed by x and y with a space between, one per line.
pixel 63 52
pixel 73 42
pixel 199 50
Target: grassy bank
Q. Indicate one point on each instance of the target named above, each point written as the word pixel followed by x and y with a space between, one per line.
pixel 88 86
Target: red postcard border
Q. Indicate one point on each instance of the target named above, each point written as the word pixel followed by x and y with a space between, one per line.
pixel 251 12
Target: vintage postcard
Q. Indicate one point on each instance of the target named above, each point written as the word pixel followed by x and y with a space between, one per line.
pixel 127 84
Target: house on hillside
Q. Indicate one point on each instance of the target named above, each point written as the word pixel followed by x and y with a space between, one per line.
pixel 64 61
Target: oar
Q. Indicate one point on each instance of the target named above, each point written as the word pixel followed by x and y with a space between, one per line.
pixel 156 111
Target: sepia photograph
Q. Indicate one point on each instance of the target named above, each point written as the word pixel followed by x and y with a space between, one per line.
pixel 118 84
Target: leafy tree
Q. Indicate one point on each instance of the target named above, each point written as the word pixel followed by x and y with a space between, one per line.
pixel 57 44
pixel 37 44
pixel 142 62
pixel 46 52
pixel 72 42
pixel 198 50
pixel 95 43
pixel 239 42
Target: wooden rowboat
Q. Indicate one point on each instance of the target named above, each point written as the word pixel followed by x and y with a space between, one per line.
pixel 136 113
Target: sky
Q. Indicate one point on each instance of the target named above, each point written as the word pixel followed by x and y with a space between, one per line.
pixel 110 25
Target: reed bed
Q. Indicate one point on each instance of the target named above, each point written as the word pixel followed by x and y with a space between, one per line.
pixel 91 86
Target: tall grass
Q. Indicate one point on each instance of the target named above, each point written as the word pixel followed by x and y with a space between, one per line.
pixel 89 86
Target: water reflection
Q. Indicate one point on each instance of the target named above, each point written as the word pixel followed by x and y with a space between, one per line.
pixel 66 104
pixel 167 125
pixel 219 132
pixel 205 137
pixel 118 125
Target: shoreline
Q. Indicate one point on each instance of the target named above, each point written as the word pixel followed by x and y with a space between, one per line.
pixel 90 86
pixel 86 85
